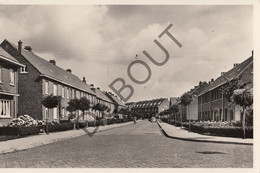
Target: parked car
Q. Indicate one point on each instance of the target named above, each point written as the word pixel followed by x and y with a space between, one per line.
pixel 153 119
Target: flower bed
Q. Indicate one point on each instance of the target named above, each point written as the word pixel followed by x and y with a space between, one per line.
pixel 226 128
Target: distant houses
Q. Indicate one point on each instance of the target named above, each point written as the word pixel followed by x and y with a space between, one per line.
pixel 38 78
pixel 150 108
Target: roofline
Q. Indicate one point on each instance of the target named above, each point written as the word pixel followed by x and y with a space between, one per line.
pixel 11 61
pixel 43 75
pixel 104 100
pixel 227 81
pixel 11 94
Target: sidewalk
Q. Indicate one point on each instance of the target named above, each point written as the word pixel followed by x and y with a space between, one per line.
pixel 182 134
pixel 43 139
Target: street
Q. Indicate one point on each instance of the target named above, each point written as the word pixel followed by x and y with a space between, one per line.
pixel 140 145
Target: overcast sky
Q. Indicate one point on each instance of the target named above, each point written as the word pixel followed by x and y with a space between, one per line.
pixel 99 42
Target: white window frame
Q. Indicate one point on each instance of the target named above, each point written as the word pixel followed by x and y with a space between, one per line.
pixel 62 92
pixel 55 89
pixel 55 113
pixel 1 74
pixel 5 108
pixel 23 69
pixel 68 93
pixel 46 87
pixel 12 77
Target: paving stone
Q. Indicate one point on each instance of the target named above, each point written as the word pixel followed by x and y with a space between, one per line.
pixel 134 146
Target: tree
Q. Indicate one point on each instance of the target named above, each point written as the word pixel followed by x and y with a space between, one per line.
pixel 100 107
pixel 243 98
pixel 232 85
pixel 84 105
pixel 174 109
pixel 74 105
pixel 50 102
pixel 186 99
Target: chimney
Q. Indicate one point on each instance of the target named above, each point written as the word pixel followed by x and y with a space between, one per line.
pixel 52 61
pixel 212 80
pixel 200 83
pixel 68 70
pixel 92 87
pixel 235 65
pixel 252 53
pixel 222 73
pixel 98 88
pixel 20 46
pixel 28 48
pixel 84 80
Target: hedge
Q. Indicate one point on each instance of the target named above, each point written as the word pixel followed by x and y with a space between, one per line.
pixel 60 127
pixel 20 130
pixel 228 131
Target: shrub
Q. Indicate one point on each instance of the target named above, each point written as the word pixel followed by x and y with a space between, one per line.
pixel 52 127
pixel 228 131
pixel 20 130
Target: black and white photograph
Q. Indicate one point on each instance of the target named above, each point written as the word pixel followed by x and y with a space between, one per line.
pixel 128 86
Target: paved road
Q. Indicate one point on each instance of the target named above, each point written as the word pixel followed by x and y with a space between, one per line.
pixel 140 145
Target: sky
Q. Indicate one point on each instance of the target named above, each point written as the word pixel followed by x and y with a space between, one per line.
pixel 100 41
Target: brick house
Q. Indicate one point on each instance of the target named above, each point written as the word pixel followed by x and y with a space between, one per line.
pixel 192 109
pixel 40 78
pixel 212 105
pixel 102 98
pixel 9 69
pixel 118 103
pixel 151 108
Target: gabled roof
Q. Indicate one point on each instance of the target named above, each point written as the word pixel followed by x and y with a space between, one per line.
pixel 102 96
pixel 116 99
pixel 54 72
pixel 173 100
pixel 231 74
pixel 149 103
pixel 7 57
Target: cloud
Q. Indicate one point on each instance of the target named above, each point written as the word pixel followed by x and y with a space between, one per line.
pixel 99 42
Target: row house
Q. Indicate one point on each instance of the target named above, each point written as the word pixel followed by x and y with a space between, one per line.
pixel 151 108
pixel 118 103
pixel 9 69
pixel 39 78
pixel 191 110
pixel 102 98
pixel 212 105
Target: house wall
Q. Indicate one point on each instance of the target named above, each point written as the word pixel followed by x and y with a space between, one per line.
pixel 29 86
pixel 212 108
pixel 193 109
pixel 163 106
pixel 12 88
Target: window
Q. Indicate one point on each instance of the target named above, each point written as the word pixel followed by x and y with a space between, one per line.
pixel 46 87
pixel 72 94
pixel 23 69
pixel 68 93
pixel 62 92
pixel 63 112
pixel 5 108
pixel 55 113
pixel 1 73
pixel 55 91
pixel 12 77
pixel 46 113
